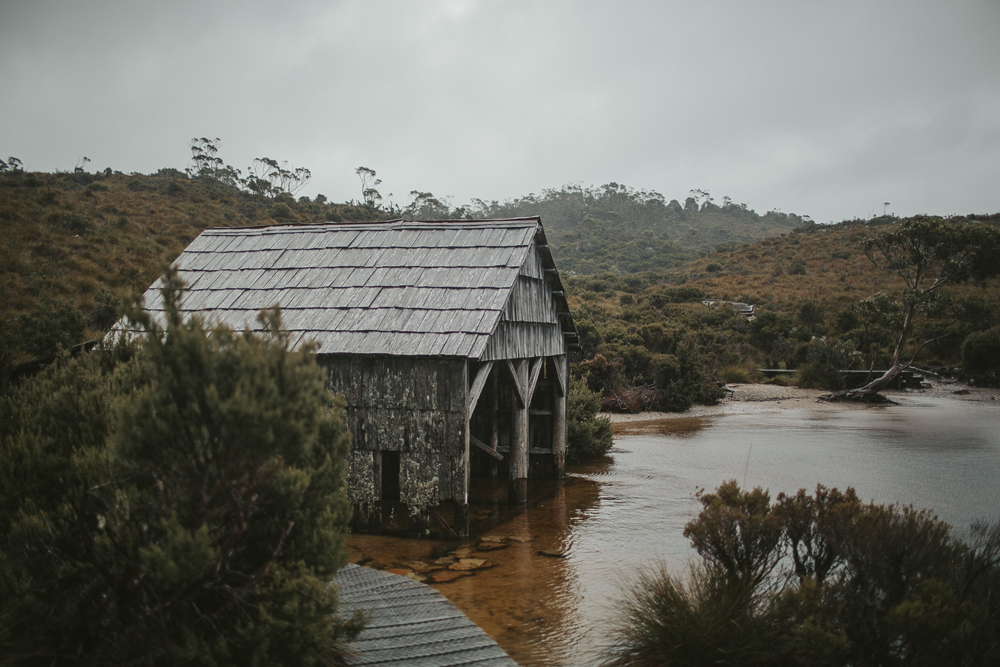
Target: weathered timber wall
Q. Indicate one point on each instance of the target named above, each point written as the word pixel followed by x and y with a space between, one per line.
pixel 529 326
pixel 411 405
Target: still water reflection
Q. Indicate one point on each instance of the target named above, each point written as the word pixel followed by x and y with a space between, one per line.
pixel 629 510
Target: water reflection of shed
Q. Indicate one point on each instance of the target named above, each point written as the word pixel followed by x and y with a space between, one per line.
pixel 448 341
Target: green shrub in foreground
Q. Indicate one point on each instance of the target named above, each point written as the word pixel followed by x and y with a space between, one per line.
pixel 179 504
pixel 816 580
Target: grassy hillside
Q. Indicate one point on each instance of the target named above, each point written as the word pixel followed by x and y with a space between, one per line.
pixel 74 244
pixel 806 286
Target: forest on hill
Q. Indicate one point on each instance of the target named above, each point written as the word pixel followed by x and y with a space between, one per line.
pixel 619 229
pixel 637 268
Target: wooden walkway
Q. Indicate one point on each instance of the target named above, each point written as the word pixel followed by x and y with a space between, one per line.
pixel 412 624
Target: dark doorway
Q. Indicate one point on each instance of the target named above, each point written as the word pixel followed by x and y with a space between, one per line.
pixel 390 477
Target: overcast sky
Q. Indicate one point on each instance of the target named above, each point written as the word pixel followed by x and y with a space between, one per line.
pixel 827 109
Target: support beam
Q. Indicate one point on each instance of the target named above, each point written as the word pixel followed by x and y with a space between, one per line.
pixel 518 461
pixel 477 386
pixel 494 421
pixel 559 411
pixel 442 525
pixel 536 372
pixel 558 363
pixel 515 376
pixel 486 448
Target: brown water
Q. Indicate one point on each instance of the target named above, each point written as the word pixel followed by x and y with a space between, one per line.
pixel 629 510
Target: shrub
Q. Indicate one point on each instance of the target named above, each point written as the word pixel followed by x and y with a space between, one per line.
pixel 72 223
pixel 812 375
pixel 663 620
pixel 817 580
pixel 176 188
pixel 797 268
pixel 281 211
pixel 51 325
pixel 588 436
pixel 182 504
pixel 981 352
pixel 734 374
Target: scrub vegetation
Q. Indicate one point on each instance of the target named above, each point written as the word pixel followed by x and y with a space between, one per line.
pixel 178 501
pixel 816 579
pixel 639 271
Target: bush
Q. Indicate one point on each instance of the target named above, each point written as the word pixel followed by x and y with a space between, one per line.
pixel 664 620
pixel 981 352
pixel 817 580
pixel 588 436
pixel 49 327
pixel 178 504
pixel 281 211
pixel 661 296
pixel 812 375
pixel 734 374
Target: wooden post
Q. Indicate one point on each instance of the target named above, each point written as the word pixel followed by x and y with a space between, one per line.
pixel 472 394
pixel 518 490
pixel 560 402
pixel 494 425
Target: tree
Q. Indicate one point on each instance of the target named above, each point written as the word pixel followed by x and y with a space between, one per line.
pixel 269 178
pixel 871 323
pixel 369 186
pixel 927 254
pixel 178 503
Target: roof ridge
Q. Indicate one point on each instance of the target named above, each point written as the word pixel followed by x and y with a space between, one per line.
pixel 375 224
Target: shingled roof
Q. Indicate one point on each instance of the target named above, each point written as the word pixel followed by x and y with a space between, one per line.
pixel 399 288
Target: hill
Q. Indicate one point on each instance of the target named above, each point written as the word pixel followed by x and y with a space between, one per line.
pixel 808 288
pixel 637 269
pixel 618 229
pixel 74 244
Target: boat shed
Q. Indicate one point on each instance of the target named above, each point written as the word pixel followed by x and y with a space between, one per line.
pixel 448 341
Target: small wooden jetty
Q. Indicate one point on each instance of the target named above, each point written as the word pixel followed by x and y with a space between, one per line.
pixel 411 624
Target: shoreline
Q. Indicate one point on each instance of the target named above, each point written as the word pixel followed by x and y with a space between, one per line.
pixel 743 398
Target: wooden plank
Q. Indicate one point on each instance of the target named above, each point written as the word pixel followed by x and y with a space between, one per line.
pixel 486 448
pixel 561 388
pixel 536 373
pixel 476 390
pixel 516 382
pixel 441 523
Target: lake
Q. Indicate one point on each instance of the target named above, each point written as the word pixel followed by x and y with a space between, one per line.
pixel 628 511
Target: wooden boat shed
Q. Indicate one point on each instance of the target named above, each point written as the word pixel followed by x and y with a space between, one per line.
pixel 448 341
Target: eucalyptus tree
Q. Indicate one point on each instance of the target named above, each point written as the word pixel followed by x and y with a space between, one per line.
pixel 928 255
